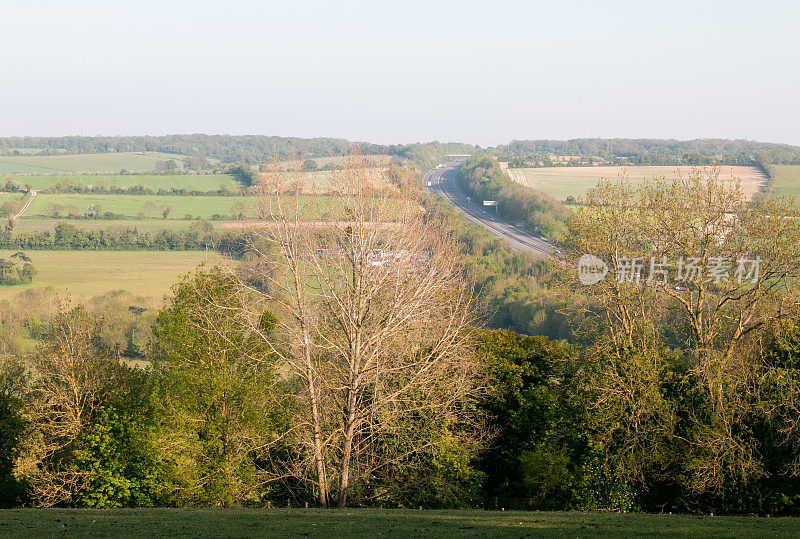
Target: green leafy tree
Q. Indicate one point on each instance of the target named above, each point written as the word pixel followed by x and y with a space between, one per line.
pixel 536 454
pixel 215 392
pixel 13 382
pixel 118 461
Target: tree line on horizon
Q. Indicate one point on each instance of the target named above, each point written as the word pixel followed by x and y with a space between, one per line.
pixel 254 149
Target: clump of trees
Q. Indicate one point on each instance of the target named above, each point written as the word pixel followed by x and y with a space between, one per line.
pixel 17 269
pixel 85 441
pixel 10 207
pixel 375 325
pixel 196 236
pixel 244 174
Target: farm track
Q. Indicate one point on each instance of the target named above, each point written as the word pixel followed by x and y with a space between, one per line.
pixel 26 206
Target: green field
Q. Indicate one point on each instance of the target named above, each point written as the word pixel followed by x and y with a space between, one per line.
pixel 133 205
pixel 11 168
pixel 375 523
pixel 561 182
pixel 89 273
pixel 191 182
pixel 89 162
pixel 787 180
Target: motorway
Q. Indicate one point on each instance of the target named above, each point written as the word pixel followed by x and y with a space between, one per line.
pixel 443 183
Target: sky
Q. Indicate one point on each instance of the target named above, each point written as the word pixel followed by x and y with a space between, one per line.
pixel 399 72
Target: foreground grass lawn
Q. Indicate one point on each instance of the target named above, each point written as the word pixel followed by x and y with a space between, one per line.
pixel 375 522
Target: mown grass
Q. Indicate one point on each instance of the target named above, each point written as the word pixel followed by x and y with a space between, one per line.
pixel 787 181
pixel 88 162
pixel 90 273
pixel 376 522
pixel 190 182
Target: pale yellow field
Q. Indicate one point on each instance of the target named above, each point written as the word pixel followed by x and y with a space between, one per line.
pixel 561 182
pixel 84 274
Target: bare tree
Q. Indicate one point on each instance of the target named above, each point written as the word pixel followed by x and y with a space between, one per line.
pixel 375 321
pixel 67 390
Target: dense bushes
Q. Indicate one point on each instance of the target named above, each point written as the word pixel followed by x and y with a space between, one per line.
pixel 556 448
pixel 482 178
pixel 244 174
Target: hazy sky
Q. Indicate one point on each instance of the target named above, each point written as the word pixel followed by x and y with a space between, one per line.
pixel 390 72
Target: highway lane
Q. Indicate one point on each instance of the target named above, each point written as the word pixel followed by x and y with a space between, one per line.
pixel 443 183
